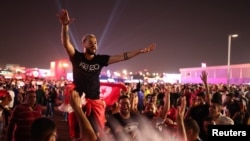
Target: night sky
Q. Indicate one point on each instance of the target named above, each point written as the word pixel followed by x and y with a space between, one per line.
pixel 187 32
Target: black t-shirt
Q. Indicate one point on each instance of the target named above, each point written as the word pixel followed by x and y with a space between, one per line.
pixel 130 125
pixel 86 73
pixel 52 97
pixel 199 114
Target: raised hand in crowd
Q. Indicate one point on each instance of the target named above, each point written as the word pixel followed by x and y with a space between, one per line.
pixel 64 18
pixel 181 132
pixel 203 77
pixel 86 131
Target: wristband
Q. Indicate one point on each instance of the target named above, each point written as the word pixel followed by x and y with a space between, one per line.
pixel 125 56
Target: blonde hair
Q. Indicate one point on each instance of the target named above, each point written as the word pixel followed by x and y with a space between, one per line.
pixel 87 37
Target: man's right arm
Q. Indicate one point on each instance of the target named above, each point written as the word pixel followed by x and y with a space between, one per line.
pixel 65 21
pixel 66 40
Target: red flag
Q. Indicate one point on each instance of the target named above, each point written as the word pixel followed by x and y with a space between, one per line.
pixel 67 91
pixel 3 93
pixel 5 97
pixel 65 106
pixel 110 92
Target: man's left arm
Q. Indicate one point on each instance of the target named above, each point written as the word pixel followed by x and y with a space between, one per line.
pixel 130 54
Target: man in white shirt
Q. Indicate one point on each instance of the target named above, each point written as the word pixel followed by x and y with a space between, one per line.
pixel 4 100
pixel 9 107
pixel 12 94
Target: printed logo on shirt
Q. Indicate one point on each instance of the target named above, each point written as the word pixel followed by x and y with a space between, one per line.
pixel 88 67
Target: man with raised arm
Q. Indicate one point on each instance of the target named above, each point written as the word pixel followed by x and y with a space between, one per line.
pixel 87 66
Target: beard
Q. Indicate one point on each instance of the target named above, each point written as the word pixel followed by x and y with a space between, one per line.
pixel 149 115
pixel 90 52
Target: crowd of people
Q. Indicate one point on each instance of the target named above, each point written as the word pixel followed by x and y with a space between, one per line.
pixel 155 111
pixel 157 117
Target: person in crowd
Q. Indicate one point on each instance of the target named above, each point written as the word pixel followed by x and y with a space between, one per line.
pixel 233 109
pixel 157 115
pixel 181 110
pixel 16 91
pixel 22 117
pixel 40 94
pixel 174 94
pixel 154 98
pixel 125 124
pixel 10 89
pixel 199 110
pixel 171 116
pixel 192 130
pixel 243 104
pixel 247 96
pixel 134 100
pixel 188 94
pixel 51 95
pixel 87 66
pixel 43 129
pixel 215 116
pixel 10 106
pixel 20 96
pixel 161 95
pixel 139 95
pixel 5 99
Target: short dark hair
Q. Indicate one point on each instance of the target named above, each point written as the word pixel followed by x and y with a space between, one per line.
pixel 30 92
pixel 201 94
pixel 230 94
pixel 123 97
pixel 42 128
pixel 192 124
pixel 217 98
